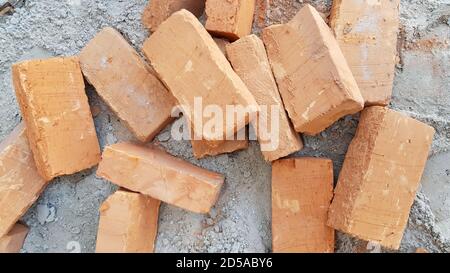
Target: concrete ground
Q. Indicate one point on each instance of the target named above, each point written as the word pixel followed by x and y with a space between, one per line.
pixel 65 218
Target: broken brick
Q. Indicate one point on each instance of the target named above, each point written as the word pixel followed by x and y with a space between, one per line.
pixel 302 189
pixel 128 223
pixel 380 176
pixel 164 177
pixel 13 241
pixel 315 82
pixel 202 148
pixel 231 19
pixel 367 34
pixel 192 66
pixel 58 119
pixel 158 11
pixel 20 182
pixel 125 82
pixel 249 59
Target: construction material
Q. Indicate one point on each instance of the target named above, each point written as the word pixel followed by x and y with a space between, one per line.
pixel 13 241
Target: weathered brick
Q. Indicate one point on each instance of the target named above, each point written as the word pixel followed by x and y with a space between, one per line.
pixel 313 76
pixel 302 189
pixel 20 183
pixel 380 176
pixel 202 148
pixel 367 34
pixel 231 19
pixel 249 59
pixel 190 63
pixel 159 10
pixel 59 122
pixel 13 241
pixel 126 84
pixel 155 173
pixel 128 223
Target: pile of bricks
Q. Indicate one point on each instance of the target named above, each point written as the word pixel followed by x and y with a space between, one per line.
pixel 316 73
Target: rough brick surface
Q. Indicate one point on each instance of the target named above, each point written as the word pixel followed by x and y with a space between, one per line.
pixel 222 43
pixel 249 59
pixel 55 108
pixel 231 19
pixel 192 65
pixel 302 189
pixel 313 77
pixel 128 223
pixel 202 148
pixel 159 10
pixel 126 84
pixel 367 34
pixel 13 241
pixel 380 176
pixel 20 183
pixel 155 173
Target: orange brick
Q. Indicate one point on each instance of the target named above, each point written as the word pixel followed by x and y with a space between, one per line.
pixel 126 84
pixel 192 66
pixel 20 183
pixel 13 241
pixel 302 189
pixel 128 223
pixel 155 173
pixel 249 59
pixel 380 176
pixel 55 108
pixel 231 19
pixel 222 43
pixel 202 148
pixel 158 11
pixel 367 34
pixel 313 77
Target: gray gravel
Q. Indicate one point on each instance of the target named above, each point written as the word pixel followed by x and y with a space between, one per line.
pixel 65 218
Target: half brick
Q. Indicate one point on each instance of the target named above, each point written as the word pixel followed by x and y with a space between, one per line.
pixel 380 176
pixel 125 82
pixel 164 177
pixel 249 59
pixel 20 182
pixel 128 223
pixel 367 34
pixel 313 77
pixel 58 119
pixel 302 189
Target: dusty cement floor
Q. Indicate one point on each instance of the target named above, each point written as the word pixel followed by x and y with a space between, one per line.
pixel 65 218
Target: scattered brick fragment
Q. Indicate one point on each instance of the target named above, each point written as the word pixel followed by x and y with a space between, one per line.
pixel 128 223
pixel 249 59
pixel 231 19
pixel 302 189
pixel 367 34
pixel 158 11
pixel 126 84
pixel 190 63
pixel 20 183
pixel 13 241
pixel 59 122
pixel 202 148
pixel 164 177
pixel 380 176
pixel 313 77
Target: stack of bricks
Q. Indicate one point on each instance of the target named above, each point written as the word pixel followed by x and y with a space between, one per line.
pixel 313 74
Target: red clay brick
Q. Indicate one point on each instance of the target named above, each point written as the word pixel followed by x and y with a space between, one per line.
pixel 155 173
pixel 20 183
pixel 367 34
pixel 128 223
pixel 302 189
pixel 13 241
pixel 231 19
pixel 158 11
pixel 190 63
pixel 202 148
pixel 313 77
pixel 380 176
pixel 126 84
pixel 249 59
pixel 59 122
